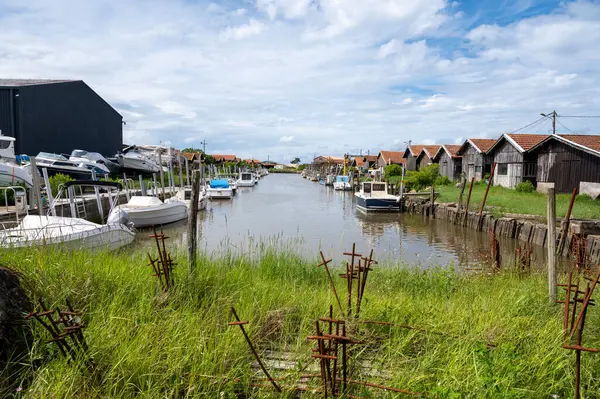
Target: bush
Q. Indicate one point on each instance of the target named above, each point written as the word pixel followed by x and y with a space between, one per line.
pixel 417 180
pixel 443 181
pixel 57 180
pixel 525 187
pixel 393 170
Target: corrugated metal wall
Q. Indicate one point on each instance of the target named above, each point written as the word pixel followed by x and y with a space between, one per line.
pixel 62 117
pixel 5 112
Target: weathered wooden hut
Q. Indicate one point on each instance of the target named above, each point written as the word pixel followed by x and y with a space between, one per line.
pixel 426 156
pixel 390 158
pixel 475 160
pixel 364 162
pixel 568 160
pixel 514 164
pixel 450 162
pixel 410 155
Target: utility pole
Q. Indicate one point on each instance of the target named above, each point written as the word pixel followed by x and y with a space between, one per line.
pixel 203 142
pixel 552 115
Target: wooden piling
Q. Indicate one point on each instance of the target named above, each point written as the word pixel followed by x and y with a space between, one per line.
pixel 552 246
pixel 162 175
pixel 36 186
pixel 565 226
pixel 468 201
pixel 192 229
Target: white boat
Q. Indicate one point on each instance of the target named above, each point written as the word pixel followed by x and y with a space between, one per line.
pixel 145 211
pixel 246 179
pixel 136 161
pixel 185 195
pixel 94 159
pixel 373 196
pixel 55 164
pixel 342 183
pixel 12 174
pixel 219 189
pixel 71 232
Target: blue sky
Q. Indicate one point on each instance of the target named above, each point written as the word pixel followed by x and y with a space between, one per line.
pixel 287 78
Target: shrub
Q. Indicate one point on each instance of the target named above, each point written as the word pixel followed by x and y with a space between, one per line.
pixel 525 187
pixel 417 180
pixel 443 181
pixel 57 180
pixel 393 170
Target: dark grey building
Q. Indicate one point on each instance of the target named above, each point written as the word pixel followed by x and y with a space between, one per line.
pixel 58 116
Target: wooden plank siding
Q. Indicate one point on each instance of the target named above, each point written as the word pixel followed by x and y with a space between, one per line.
pixel 566 166
pixel 449 167
pixel 475 164
pixel 512 166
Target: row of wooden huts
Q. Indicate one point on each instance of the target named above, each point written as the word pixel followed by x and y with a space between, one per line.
pixel 564 160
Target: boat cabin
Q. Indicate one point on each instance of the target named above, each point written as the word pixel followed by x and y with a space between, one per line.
pixel 342 179
pixel 374 189
pixel 7 147
pixel 246 176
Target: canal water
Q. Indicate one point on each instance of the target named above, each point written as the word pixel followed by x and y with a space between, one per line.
pixel 291 212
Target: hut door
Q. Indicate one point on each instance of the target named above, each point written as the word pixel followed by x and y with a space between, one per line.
pixel 471 173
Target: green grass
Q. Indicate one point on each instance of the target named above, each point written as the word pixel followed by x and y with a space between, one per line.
pixel 502 200
pixel 486 336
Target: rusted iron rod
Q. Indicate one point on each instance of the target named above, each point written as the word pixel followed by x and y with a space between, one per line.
pixel 322 361
pixel 337 298
pixel 566 222
pixel 468 201
pixel 585 304
pixel 260 363
pixel 566 308
pixel 581 348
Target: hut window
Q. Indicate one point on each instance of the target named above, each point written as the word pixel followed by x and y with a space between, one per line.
pixel 502 169
pixel 530 169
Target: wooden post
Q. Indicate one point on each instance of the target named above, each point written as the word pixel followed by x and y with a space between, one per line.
pixel 192 229
pixel 187 172
pixel 462 191
pixel 552 245
pixel 180 170
pixel 565 226
pixel 162 175
pixel 432 202
pixel 487 189
pixel 468 200
pixel 36 185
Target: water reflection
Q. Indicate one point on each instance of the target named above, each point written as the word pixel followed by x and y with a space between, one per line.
pixel 292 212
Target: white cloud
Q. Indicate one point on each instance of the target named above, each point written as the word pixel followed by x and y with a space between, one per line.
pixel 253 27
pixel 286 139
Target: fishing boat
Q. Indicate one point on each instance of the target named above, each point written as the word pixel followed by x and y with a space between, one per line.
pixel 185 195
pixel 11 173
pixel 247 179
pixel 329 180
pixel 374 196
pixel 135 161
pixel 94 159
pixel 55 164
pixel 342 183
pixel 219 189
pixel 72 232
pixel 145 211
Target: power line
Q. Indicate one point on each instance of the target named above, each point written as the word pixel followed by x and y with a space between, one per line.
pixel 579 116
pixel 531 124
pixel 562 124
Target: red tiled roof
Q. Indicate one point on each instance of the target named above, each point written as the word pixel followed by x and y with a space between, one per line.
pixel 431 150
pixel 483 144
pixel 526 141
pixel 452 149
pixel 323 159
pixel 370 158
pixel 590 141
pixel 393 157
pixel 220 157
pixel 415 149
pixel 190 156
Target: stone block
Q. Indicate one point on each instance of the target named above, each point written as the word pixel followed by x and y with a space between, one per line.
pixel 542 187
pixel 526 230
pixel 589 188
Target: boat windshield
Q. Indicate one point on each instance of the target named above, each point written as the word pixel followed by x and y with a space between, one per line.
pixel 342 179
pixel 246 176
pixel 79 153
pixel 380 187
pixel 48 155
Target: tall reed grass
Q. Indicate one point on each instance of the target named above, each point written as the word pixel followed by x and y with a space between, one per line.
pixel 477 336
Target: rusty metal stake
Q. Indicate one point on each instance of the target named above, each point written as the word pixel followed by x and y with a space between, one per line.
pixel 260 363
pixel 337 298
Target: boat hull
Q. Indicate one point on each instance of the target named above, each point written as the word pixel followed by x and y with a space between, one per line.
pixel 219 193
pixel 246 183
pixel 377 204
pixel 342 186
pixel 166 213
pixel 73 236
pixel 11 175
pixel 138 165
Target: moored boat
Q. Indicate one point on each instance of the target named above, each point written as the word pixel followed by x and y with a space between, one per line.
pixel 219 189
pixel 374 196
pixel 185 195
pixel 71 232
pixel 247 179
pixel 11 173
pixel 342 183
pixel 145 211
pixel 94 159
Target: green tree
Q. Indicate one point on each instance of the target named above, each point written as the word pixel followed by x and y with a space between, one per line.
pixel 393 170
pixel 424 177
pixel 296 161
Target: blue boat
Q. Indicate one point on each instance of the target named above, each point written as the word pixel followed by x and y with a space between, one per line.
pixel 373 196
pixel 342 183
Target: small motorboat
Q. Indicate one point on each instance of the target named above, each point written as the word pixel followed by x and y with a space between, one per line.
pixel 94 159
pixel 71 232
pixel 247 179
pixel 145 211
pixel 373 196
pixel 342 183
pixel 329 180
pixel 11 173
pixel 219 189
pixel 55 164
pixel 133 160
pixel 185 195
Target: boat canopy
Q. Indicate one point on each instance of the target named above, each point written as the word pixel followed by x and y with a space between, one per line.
pixel 217 183
pixel 97 183
pixel 342 179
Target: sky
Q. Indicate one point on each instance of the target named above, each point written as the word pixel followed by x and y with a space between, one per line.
pixel 280 79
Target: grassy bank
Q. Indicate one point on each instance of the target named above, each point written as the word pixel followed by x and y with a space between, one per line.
pixel 503 200
pixel 485 336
